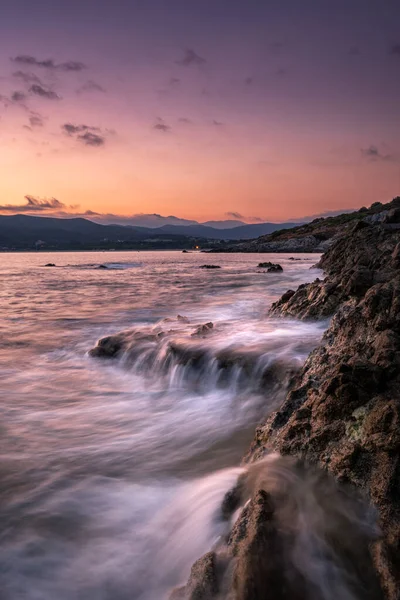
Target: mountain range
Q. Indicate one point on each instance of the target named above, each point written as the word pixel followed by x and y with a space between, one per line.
pixel 25 232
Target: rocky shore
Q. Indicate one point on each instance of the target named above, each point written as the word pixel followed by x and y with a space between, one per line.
pixel 317 236
pixel 337 434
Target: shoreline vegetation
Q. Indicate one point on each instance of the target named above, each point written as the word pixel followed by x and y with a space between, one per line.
pixel 341 417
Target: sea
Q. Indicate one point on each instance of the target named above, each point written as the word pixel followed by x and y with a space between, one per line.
pixel 113 470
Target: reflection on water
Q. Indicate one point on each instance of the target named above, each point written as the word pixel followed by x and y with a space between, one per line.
pixel 97 455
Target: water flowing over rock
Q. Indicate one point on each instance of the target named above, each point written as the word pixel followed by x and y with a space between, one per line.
pixel 298 535
pixel 342 415
pixel 200 355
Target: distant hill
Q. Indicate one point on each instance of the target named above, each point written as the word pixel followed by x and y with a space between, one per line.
pixel 241 232
pixel 316 236
pixel 23 232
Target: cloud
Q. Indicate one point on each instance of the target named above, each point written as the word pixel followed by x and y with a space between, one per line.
pixel 90 86
pixel 191 58
pixel 374 154
pixel 249 80
pixel 234 215
pixel 18 96
pixel 71 129
pixel 39 90
pixel 25 59
pixel 185 121
pixel 174 81
pixel 217 123
pixel 85 134
pixel 36 120
pixel 160 125
pixel 27 78
pixel 256 219
pixel 91 139
pixel 395 49
pixel 34 204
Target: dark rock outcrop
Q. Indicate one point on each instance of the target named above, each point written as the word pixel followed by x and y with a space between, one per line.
pixel 210 267
pixel 343 411
pixel 50 265
pixel 271 267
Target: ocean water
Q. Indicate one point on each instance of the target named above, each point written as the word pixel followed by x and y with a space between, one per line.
pixel 113 471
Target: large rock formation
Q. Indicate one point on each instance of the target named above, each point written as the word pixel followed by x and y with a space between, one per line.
pixel 341 414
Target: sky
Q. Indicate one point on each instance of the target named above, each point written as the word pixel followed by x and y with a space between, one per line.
pixel 256 110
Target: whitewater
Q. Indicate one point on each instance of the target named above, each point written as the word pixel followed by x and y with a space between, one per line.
pixel 113 471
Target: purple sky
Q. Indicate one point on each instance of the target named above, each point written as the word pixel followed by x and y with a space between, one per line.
pixel 271 110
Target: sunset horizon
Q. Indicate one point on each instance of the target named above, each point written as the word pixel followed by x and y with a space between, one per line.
pixel 271 112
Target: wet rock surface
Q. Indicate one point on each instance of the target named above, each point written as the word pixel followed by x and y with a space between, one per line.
pixel 343 411
pixel 297 537
pixel 342 415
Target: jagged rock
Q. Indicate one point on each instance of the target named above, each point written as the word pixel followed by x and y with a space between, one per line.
pixel 203 581
pixel 343 411
pixel 203 330
pixel 300 536
pixel 50 265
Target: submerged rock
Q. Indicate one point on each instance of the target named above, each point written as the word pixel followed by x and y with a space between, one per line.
pixel 50 265
pixel 204 329
pixel 210 267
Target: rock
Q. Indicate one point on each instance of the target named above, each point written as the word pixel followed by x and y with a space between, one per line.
pixel 271 267
pixel 185 251
pixel 300 536
pixel 50 265
pixel 210 267
pixel 203 581
pixel 343 409
pixel 203 330
pixel 102 267
pixel 183 319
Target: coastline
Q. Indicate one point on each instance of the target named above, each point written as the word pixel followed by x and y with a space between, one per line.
pixel 341 414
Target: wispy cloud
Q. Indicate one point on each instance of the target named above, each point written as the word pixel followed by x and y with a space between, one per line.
pixel 395 49
pixel 89 87
pixel 39 90
pixel 373 153
pixel 34 204
pixel 91 139
pixel 185 121
pixel 27 78
pixel 234 215
pixel 160 125
pixel 71 129
pixel 191 58
pixel 18 96
pixel 26 59
pixel 36 120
